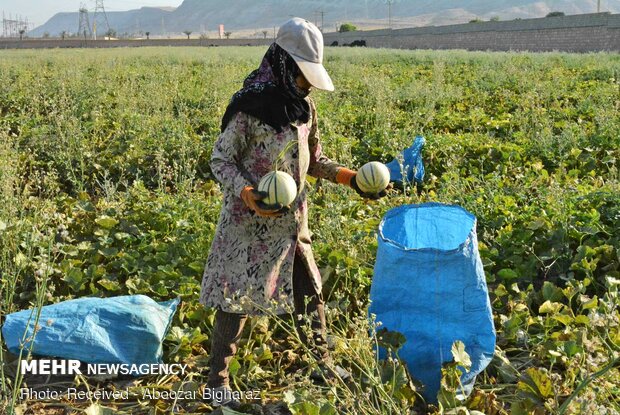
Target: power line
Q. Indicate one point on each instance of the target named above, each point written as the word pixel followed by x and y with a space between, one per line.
pixel 316 18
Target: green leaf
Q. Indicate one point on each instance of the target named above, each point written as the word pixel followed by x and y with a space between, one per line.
pixel 460 355
pixel 109 284
pixel 305 408
pixel 549 308
pixel 197 266
pixel 581 319
pixel 536 224
pixel 70 250
pixel 106 222
pixel 176 334
pixel 263 353
pixel 500 291
pixel 390 339
pixel 563 318
pixel 74 277
pixel 160 289
pixel 108 252
pixel 507 274
pixel 328 409
pixel 519 408
pixel 137 286
pixel 551 292
pixel 536 383
pixel 393 374
pixel 588 304
pixel 571 348
pixel 234 366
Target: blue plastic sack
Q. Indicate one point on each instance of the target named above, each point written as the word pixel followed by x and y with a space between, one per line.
pixel 126 329
pixel 412 164
pixel 429 285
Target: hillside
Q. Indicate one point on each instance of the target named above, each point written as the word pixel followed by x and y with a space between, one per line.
pixel 201 16
pixel 132 21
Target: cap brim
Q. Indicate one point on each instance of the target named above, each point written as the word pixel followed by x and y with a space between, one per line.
pixel 315 73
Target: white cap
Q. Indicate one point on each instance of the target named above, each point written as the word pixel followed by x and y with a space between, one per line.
pixel 304 42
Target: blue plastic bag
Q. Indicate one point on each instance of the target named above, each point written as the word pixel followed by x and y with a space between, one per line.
pixel 126 329
pixel 412 164
pixel 429 285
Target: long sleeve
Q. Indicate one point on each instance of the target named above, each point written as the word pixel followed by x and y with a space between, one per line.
pixel 320 165
pixel 227 151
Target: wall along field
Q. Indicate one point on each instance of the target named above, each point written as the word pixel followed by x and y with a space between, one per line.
pixel 106 190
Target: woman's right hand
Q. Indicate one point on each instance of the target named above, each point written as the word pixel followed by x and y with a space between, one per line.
pixel 365 195
pixel 348 177
pixel 253 200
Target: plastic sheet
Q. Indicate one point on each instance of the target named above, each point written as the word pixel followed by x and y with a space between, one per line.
pixel 125 329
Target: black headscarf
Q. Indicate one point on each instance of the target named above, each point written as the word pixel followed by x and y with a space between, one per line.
pixel 270 93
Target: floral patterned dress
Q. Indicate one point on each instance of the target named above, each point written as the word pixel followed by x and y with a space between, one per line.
pixel 250 265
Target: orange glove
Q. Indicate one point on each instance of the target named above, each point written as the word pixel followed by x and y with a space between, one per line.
pixel 253 200
pixel 344 176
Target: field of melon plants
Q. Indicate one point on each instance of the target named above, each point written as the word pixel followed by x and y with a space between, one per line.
pixel 107 191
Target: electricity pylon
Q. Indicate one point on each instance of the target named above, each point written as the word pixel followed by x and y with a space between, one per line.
pixel 389 3
pixel 84 26
pixel 101 17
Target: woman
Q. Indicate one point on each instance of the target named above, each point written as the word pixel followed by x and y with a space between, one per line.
pixel 261 258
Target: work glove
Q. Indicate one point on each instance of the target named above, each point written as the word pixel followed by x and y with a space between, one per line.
pixel 346 176
pixel 253 200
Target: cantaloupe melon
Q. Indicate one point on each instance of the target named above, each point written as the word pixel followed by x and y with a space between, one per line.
pixel 373 177
pixel 280 188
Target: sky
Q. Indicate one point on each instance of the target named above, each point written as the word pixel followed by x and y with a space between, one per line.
pixel 39 11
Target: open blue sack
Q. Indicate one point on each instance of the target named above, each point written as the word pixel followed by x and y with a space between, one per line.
pixel 412 164
pixel 429 285
pixel 126 329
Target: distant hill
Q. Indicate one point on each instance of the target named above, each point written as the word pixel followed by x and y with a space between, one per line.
pixel 251 16
pixel 132 21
